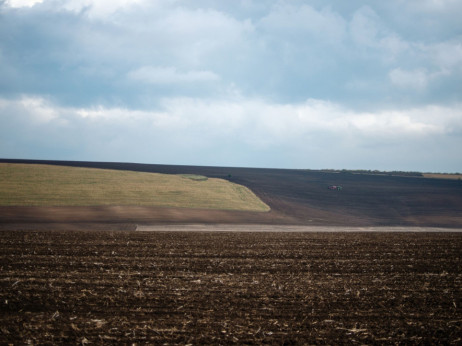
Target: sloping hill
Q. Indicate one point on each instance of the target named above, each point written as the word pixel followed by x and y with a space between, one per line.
pixel 302 197
pixel 53 186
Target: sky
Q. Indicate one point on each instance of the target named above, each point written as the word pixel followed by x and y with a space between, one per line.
pixel 249 83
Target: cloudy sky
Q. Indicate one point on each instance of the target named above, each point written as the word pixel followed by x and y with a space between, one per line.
pixel 257 83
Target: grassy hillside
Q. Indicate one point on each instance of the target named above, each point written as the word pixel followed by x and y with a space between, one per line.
pixel 43 185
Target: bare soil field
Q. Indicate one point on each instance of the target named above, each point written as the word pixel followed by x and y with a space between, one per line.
pixel 294 196
pixel 163 287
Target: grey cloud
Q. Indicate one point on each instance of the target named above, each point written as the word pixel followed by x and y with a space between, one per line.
pixel 170 75
pixel 284 51
pixel 241 72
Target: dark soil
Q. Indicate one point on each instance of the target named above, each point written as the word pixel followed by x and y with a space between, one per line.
pixel 100 281
pixel 94 287
pixel 295 197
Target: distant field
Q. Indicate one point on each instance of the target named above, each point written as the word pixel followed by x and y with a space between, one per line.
pixel 295 196
pixel 44 185
pixel 443 176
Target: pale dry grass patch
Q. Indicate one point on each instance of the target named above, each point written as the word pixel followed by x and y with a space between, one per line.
pixel 45 185
pixel 443 176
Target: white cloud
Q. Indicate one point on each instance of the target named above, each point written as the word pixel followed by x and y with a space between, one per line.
pixel 447 55
pixel 170 75
pixel 252 132
pixel 289 19
pixel 278 121
pixel 416 79
pixel 38 108
pixel 99 8
pixel 94 8
pixel 437 5
pixel 368 31
pixel 22 3
pixel 364 27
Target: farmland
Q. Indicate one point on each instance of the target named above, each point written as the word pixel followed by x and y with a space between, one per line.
pixel 86 287
pixel 45 185
pixel 294 196
pixel 360 265
pixel 443 176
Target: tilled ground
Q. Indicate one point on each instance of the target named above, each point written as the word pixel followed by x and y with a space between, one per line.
pixel 87 287
pixel 295 197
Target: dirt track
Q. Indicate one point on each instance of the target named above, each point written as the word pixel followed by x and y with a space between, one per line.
pixel 295 197
pixel 289 229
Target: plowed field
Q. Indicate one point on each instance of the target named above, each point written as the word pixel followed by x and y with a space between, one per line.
pixel 294 196
pixel 93 287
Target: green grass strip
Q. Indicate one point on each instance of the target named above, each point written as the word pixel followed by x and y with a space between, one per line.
pixel 47 185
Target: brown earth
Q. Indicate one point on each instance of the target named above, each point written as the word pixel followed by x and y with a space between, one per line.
pixel 112 287
pixel 144 275
pixel 295 197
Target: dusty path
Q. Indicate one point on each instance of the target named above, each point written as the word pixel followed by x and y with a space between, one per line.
pixel 288 228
